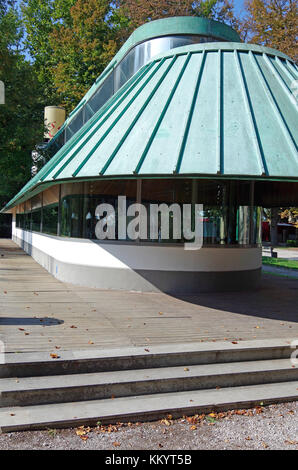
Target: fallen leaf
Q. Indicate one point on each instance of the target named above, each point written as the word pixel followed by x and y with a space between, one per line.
pixel 80 431
pixel 259 410
pixel 166 422
pixel 186 368
pixel 116 444
pixel 54 356
pixel 192 419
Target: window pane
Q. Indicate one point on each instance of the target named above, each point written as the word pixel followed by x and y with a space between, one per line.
pixel 35 220
pixel 102 94
pixel 50 219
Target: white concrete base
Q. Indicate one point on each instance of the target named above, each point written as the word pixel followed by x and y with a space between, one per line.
pixel 143 267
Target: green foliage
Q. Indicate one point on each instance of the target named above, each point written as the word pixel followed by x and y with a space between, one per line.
pixel 21 121
pixel 280 262
pixel 70 41
pixel 292 243
pixel 272 23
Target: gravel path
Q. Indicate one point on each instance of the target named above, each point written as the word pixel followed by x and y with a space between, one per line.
pixel 263 428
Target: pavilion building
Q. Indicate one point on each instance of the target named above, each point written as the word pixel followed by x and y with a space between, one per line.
pixel 184 114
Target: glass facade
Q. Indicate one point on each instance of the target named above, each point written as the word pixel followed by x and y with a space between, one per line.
pixel 75 210
pixel 80 200
pixel 143 53
pixel 129 65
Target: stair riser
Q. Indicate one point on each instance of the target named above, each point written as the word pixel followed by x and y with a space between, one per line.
pixel 78 366
pixel 94 392
pixel 146 416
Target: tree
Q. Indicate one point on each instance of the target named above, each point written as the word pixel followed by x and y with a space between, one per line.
pixel 291 214
pixel 39 18
pixel 272 23
pixel 133 13
pixel 70 42
pixel 82 48
pixel 21 117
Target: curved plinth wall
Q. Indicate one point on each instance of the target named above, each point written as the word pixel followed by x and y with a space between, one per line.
pixel 141 267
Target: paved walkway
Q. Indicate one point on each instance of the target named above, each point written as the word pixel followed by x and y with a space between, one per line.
pixel 286 253
pixel 40 313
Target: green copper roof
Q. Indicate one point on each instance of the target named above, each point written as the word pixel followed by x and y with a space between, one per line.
pixel 181 25
pixel 206 110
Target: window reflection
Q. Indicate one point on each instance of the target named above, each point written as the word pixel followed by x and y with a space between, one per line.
pixel 228 218
pixel 50 219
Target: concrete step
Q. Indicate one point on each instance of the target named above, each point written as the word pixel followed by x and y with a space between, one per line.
pixel 143 407
pixel 101 385
pixel 169 355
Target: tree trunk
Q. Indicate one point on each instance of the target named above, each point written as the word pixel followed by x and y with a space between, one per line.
pixel 273 226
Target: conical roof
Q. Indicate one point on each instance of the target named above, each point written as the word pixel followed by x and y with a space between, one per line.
pixel 206 110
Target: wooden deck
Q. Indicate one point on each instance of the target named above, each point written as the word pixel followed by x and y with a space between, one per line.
pixel 40 313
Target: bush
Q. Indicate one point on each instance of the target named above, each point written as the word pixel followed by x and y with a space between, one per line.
pixel 292 243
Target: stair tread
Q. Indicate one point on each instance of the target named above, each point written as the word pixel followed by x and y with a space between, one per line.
pixel 15 384
pixel 43 357
pixel 73 413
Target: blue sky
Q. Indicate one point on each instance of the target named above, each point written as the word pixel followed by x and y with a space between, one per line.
pixel 239 6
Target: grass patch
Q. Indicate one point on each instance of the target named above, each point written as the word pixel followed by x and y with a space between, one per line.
pixel 280 262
